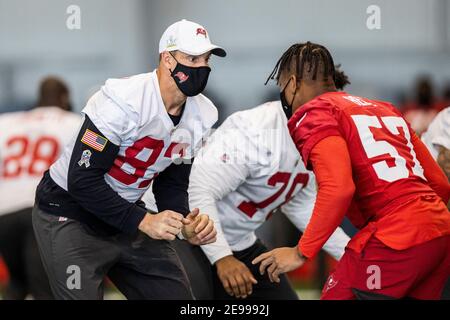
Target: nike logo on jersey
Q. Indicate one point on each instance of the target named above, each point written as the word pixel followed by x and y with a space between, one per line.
pixel 299 121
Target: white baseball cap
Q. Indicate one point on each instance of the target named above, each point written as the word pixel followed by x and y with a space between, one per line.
pixel 188 37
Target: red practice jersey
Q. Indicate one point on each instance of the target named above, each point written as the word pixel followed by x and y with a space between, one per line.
pixel 393 199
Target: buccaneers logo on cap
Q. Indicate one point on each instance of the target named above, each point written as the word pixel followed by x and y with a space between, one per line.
pixel 182 76
pixel 202 32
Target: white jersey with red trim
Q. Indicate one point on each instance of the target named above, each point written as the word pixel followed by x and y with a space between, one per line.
pixel 29 143
pixel 248 168
pixel 130 113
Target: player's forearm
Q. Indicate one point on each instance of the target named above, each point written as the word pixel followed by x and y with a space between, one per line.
pixel 331 163
pixel 219 249
pixel 433 173
pixel 202 198
pixel 204 195
pixel 335 246
pixel 299 211
pixel 100 200
pixel 170 189
pixel 326 218
pixel 443 160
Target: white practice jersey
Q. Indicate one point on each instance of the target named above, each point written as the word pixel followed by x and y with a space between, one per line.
pixel 131 114
pixel 438 133
pixel 248 168
pixel 29 143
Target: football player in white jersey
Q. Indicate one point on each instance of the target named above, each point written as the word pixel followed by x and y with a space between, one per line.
pixel 30 142
pixel 247 170
pixel 437 139
pixel 136 131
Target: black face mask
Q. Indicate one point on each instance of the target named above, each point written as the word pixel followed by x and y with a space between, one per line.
pixel 191 81
pixel 287 107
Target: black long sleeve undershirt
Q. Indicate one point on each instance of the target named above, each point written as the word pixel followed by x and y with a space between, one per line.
pixel 170 188
pixel 87 185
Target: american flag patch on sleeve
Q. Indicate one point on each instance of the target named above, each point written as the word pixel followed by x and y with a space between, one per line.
pixel 94 140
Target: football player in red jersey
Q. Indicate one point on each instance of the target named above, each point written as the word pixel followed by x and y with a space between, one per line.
pixel 372 167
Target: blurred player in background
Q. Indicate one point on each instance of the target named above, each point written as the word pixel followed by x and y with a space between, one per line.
pixel 422 110
pixel 248 170
pixel 370 165
pixel 29 143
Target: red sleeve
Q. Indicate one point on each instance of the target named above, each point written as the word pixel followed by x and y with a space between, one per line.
pixel 332 166
pixel 312 123
pixel 433 173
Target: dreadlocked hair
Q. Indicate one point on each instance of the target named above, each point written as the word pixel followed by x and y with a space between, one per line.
pixel 341 80
pixel 309 60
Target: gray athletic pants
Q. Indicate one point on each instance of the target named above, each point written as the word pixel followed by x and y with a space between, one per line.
pixel 77 262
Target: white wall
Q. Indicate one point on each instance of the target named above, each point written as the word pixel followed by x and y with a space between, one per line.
pixel 121 38
pixel 380 63
pixel 35 42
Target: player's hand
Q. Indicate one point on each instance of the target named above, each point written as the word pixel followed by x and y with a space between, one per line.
pixel 236 278
pixel 198 229
pixel 278 261
pixel 162 226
